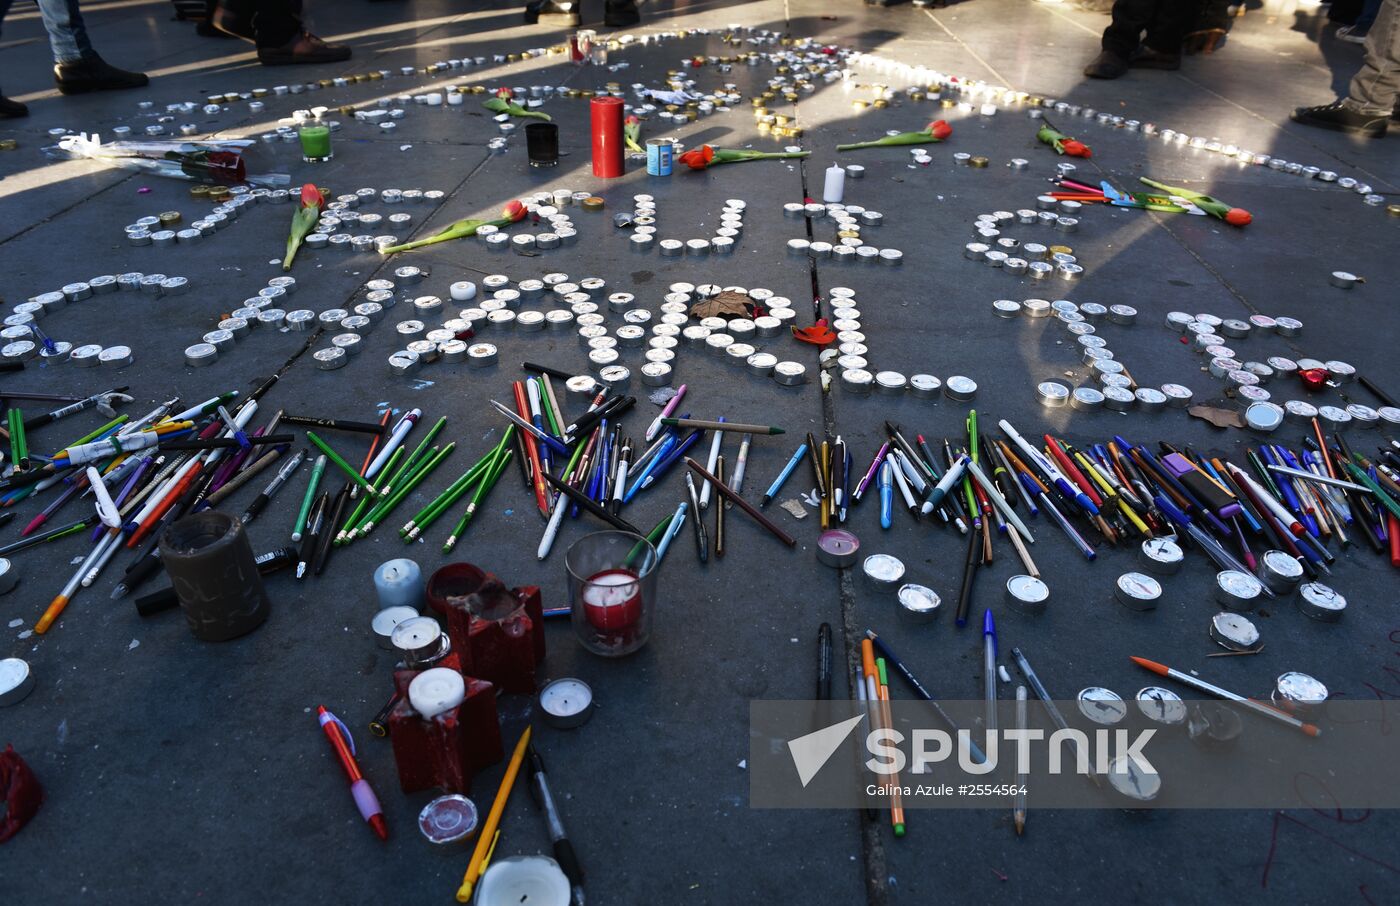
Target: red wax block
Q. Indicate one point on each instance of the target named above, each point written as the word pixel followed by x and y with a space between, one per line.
pixel 20 793
pixel 497 637
pixel 446 751
pixel 455 580
pixel 606 127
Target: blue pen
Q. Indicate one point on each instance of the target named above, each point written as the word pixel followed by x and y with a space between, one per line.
pixel 1285 485
pixel 645 473
pixel 783 475
pixel 533 396
pixel 1291 461
pixel 1205 464
pixel 989 669
pixel 671 458
pixel 886 494
pixel 672 530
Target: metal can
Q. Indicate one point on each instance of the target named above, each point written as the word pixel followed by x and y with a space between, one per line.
pixel 660 156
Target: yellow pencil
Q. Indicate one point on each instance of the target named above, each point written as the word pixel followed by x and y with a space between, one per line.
pixel 486 840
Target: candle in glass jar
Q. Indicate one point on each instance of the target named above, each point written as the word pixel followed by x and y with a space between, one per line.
pixel 612 600
pixel 315 143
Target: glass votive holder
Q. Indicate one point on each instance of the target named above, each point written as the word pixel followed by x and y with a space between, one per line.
pixel 315 143
pixel 612 591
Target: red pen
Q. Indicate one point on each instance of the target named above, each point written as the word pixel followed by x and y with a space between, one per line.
pixel 360 789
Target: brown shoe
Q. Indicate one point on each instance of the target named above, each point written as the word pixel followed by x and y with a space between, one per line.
pixel 304 48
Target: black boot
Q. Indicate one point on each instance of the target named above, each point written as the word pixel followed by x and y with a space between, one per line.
pixel 1341 118
pixel 12 110
pixel 92 73
pixel 621 13
pixel 1147 58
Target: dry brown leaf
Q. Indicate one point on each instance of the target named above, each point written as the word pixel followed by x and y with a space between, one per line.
pixel 1221 418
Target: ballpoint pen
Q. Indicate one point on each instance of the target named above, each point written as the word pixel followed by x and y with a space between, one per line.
pixel 838 478
pixel 817 475
pixel 783 475
pixel 311 539
pixel 563 850
pixel 316 471
pixel 655 427
pixel 886 494
pixel 1051 708
pixel 360 789
pixel 989 669
pixel 715 443
pixel 872 472
pixel 672 530
pixel 619 487
pixel 702 545
pixel 283 474
pixel 1018 810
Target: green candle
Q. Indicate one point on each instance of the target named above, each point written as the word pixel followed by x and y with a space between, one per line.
pixel 315 143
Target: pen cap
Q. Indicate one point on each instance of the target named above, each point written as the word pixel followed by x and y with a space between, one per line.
pixel 215 576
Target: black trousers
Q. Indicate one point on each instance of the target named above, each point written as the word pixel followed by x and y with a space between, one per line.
pixel 1160 24
pixel 275 22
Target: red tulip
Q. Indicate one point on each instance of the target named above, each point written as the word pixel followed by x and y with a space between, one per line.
pixel 1076 149
pixel 311 196
pixel 1238 217
pixel 505 93
pixel 1313 378
pixel 631 120
pixel 940 129
pixel 698 158
pixel 513 211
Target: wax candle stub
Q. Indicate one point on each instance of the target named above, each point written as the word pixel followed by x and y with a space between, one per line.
pixel 835 185
pixel 566 702
pixel 399 583
pixel 533 880
pixel 612 599
pixel 436 691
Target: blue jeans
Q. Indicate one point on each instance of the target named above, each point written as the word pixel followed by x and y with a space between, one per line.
pixel 64 23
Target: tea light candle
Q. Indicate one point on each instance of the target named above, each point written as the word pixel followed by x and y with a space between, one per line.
pixel 399 583
pixel 612 600
pixel 537 880
pixel 384 622
pixel 566 703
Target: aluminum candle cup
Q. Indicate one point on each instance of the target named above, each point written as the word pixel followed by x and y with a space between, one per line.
pixel 918 604
pixel 216 580
pixel 1280 571
pixel 1237 591
pixel 385 621
pixel 612 591
pixel 1321 603
pixel 566 703
pixel 448 820
pixel 1027 594
pixel 1234 632
pixel 1137 591
pixel 882 571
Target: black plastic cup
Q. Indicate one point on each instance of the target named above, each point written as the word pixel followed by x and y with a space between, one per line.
pixel 542 144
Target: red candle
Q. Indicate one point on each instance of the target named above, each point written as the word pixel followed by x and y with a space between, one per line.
pixel 612 600
pixel 606 117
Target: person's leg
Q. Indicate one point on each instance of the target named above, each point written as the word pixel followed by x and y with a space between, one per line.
pixel 77 67
pixel 282 38
pixel 1374 89
pixel 9 109
pixel 1121 38
pixel 67 34
pixel 1161 46
pixel 1372 97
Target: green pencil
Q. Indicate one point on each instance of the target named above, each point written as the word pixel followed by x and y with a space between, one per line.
pixel 653 536
pixel 426 516
pixel 412 481
pixel 547 404
pixel 349 470
pixel 393 468
pixel 316 472
pixel 482 490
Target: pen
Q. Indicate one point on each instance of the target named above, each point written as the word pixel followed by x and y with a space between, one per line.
pixel 824 662
pixel 719 510
pixel 311 539
pixel 817 467
pixel 360 789
pixel 838 479
pixel 720 424
pixel 989 669
pixel 563 849
pixel 783 475
pixel 655 427
pixel 273 487
pixel 702 545
pixel 1018 810
pixel 672 530
pixel 310 497
pixel 1201 685
pixel 1051 708
pixel 741 503
pixel 715 442
pixel 886 494
pixel 741 464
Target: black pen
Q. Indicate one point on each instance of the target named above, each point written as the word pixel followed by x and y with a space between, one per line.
pixel 273 487
pixel 563 849
pixel 311 537
pixel 824 662
pixel 816 465
pixel 335 424
pixel 337 512
pixel 267 564
pixel 702 544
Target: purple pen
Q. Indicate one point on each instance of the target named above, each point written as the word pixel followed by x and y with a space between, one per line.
pixel 666 411
pixel 870 472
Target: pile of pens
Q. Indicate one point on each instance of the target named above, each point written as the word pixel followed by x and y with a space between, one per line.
pixel 1295 500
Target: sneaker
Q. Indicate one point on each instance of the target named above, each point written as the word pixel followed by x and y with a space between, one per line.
pixel 1107 65
pixel 1341 118
pixel 1355 34
pixel 92 73
pixel 304 48
pixel 12 110
pixel 1147 58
